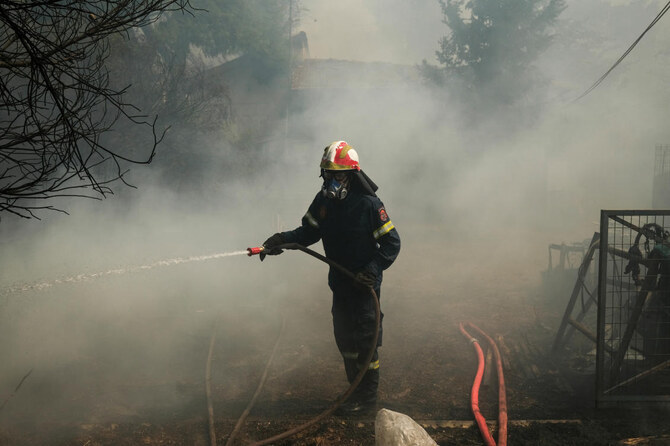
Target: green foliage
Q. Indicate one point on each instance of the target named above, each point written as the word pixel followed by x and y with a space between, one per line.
pixel 493 44
pixel 253 27
pixel 169 79
pixel 158 60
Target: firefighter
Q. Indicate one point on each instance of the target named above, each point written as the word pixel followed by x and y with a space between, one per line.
pixel 358 234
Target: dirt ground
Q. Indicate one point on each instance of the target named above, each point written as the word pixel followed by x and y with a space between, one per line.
pixel 427 366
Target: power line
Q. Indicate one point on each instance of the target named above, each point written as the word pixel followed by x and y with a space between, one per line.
pixel 602 78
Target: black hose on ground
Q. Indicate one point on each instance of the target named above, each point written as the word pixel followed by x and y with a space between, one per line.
pixel 261 383
pixel 208 388
pixel 342 398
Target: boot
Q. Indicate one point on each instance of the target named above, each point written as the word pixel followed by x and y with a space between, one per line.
pixel 366 392
pixel 364 399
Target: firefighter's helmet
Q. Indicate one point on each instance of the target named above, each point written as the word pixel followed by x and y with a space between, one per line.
pixel 340 156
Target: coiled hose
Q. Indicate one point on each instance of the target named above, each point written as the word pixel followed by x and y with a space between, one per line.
pixel 474 395
pixel 342 398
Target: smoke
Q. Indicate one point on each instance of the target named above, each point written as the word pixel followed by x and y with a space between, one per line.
pixel 469 200
pixel 372 31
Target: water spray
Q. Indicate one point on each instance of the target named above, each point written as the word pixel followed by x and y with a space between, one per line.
pixel 118 271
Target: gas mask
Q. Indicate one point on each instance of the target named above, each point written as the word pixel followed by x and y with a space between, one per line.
pixel 335 184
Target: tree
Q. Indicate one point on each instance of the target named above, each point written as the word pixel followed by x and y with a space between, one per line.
pixel 493 44
pixel 161 60
pixel 165 64
pixel 56 101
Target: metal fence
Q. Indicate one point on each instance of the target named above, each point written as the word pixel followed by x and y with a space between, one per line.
pixel 633 328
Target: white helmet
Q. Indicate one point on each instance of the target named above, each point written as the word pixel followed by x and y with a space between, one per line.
pixel 340 156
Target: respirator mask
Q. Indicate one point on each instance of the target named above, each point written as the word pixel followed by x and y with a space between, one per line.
pixel 335 184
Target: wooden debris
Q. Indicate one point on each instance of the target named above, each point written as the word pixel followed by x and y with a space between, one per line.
pixel 466 424
pixel 653 440
pixel 505 352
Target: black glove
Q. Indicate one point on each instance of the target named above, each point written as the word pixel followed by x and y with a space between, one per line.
pixel 270 246
pixel 365 279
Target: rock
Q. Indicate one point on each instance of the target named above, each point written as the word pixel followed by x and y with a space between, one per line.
pixel 396 429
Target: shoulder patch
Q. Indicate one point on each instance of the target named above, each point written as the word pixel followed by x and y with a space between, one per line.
pixel 383 216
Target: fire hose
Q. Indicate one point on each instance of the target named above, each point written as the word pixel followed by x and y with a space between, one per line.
pixel 342 398
pixel 474 395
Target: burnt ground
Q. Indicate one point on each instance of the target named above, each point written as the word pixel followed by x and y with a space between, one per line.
pixel 101 397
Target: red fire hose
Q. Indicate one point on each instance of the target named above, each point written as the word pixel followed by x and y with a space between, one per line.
pixel 474 396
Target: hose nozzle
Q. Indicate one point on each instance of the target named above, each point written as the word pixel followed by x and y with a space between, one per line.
pixel 254 251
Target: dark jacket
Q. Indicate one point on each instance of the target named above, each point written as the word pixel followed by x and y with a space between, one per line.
pixel 357 233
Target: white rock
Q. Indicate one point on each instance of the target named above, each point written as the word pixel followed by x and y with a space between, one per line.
pixel 396 429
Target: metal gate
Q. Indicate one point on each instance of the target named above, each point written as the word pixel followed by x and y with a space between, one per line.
pixel 633 333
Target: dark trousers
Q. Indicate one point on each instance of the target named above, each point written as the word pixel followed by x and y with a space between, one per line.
pixel 354 325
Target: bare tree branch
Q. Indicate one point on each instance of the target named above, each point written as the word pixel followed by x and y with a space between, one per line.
pixel 56 101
